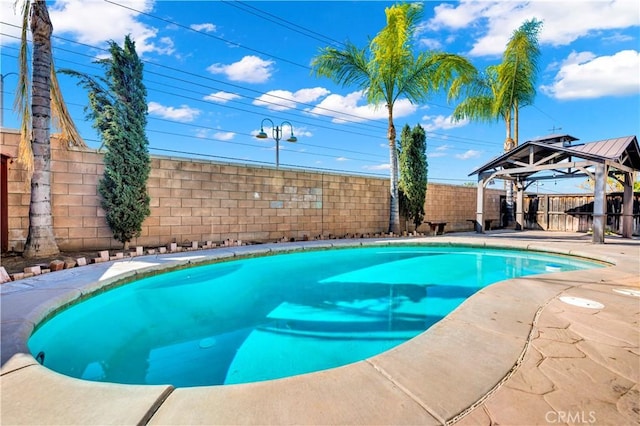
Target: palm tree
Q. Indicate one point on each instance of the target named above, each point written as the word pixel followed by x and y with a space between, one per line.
pixel 504 88
pixel 388 69
pixel 518 72
pixel 34 150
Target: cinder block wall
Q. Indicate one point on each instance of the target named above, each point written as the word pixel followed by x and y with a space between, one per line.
pixel 457 204
pixel 195 200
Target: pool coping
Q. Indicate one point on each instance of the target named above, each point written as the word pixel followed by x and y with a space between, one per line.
pixel 436 378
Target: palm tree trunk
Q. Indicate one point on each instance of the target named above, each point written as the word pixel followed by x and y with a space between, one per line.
pixel 394 214
pixel 40 240
pixel 508 145
pixel 516 113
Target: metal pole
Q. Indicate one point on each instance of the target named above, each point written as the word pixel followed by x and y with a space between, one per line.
pixel 1 101
pixel 277 138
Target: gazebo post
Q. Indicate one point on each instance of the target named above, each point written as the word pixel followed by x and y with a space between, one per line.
pixel 627 206
pixel 599 203
pixel 519 206
pixel 480 205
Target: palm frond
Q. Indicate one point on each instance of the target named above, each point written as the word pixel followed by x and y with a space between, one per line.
pixel 346 67
pixel 518 71
pixel 392 52
pixel 69 135
pixel 23 95
pixel 432 72
pixel 479 108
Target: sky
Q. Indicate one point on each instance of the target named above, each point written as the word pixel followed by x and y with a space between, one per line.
pixel 214 70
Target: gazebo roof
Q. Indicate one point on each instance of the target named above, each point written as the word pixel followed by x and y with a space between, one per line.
pixel 560 153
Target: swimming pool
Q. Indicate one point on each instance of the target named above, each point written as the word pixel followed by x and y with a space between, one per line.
pixel 274 316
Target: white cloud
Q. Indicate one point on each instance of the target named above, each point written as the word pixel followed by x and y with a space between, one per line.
pixel 585 76
pixel 221 97
pixel 302 132
pixel 13 17
pixel 377 167
pixel 440 151
pixel 342 159
pixel 564 22
pixel 347 109
pixel 435 122
pixel 617 38
pixel 183 113
pixel 249 69
pixel 165 46
pixel 95 23
pixel 282 100
pixel 471 153
pixel 430 43
pixel 224 136
pixel 437 154
pixel 206 27
pixel 456 16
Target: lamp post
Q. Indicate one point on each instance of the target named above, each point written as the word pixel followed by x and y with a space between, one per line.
pixel 276 134
pixel 2 76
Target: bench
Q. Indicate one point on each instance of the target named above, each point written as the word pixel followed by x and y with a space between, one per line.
pixel 437 227
pixel 487 224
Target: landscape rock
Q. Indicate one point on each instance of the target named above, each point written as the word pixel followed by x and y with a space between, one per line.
pixel 4 276
pixel 56 265
pixel 34 270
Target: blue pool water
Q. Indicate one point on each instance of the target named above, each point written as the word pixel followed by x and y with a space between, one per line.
pixel 269 317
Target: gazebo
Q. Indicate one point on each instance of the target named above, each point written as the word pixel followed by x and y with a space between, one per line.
pixel 559 156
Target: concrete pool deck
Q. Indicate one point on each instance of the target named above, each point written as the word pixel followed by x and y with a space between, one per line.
pixel 513 354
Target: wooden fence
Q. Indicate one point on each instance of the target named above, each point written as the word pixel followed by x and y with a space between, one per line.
pixel 574 212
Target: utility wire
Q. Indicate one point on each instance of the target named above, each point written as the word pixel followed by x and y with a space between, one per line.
pixel 333 128
pixel 246 7
pixel 342 114
pixel 233 43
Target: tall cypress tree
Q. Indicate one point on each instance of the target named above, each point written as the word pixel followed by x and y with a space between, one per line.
pixel 118 108
pixel 413 173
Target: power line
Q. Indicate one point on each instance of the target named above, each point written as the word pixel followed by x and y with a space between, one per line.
pixel 342 114
pixel 233 43
pixel 449 137
pixel 190 74
pixel 245 7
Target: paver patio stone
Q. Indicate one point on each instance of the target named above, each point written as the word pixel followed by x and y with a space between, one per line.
pixel 561 335
pixel 629 404
pixel 513 407
pixel 582 380
pixel 553 319
pixel 479 371
pixel 615 333
pixel 528 378
pixel 556 349
pixel 477 417
pixel 586 409
pixel 619 360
